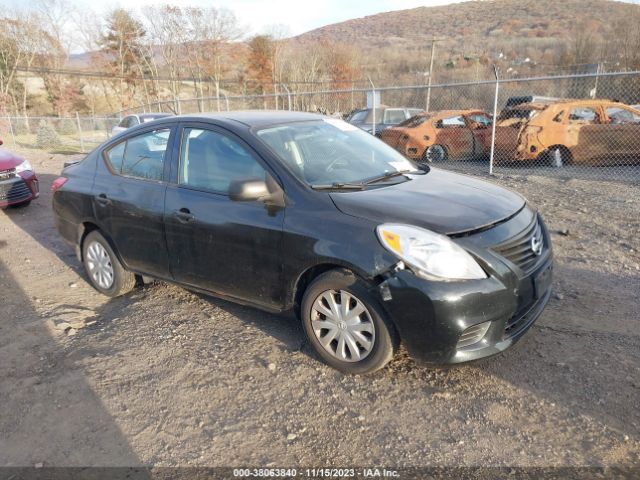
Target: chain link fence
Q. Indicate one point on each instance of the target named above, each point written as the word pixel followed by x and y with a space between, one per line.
pixel 56 134
pixel 583 126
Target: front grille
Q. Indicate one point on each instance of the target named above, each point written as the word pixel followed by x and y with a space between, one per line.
pixel 14 191
pixel 521 321
pixel 519 251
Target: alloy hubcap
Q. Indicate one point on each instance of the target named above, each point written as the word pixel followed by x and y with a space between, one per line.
pixel 435 153
pixel 343 325
pixel 100 267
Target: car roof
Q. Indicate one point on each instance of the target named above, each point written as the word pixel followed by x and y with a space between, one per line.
pixel 251 118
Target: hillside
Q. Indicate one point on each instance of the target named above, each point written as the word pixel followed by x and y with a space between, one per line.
pixel 517 28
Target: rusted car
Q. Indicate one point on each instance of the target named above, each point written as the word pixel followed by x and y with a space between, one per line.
pixel 569 131
pixel 438 136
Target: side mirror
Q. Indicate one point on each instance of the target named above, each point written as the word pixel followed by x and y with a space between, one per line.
pixel 1 142
pixel 248 190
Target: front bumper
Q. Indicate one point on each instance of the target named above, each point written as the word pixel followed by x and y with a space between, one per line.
pixel 432 316
pixel 19 189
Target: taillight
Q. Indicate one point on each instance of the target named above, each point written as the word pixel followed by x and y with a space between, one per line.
pixel 57 183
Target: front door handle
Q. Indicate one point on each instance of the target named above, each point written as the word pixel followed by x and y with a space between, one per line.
pixel 103 200
pixel 184 215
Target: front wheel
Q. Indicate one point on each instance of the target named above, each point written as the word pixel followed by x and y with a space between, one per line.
pixel 434 154
pixel 106 273
pixel 346 325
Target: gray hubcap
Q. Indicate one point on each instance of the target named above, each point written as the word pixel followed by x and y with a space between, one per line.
pixel 435 153
pixel 99 264
pixel 343 325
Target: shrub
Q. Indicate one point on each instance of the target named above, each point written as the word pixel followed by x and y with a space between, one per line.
pixel 46 137
pixel 67 127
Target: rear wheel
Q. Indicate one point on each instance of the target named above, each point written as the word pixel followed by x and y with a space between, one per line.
pixel 434 154
pixel 346 325
pixel 106 273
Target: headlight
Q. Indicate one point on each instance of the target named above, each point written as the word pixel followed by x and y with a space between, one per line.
pixel 429 254
pixel 24 166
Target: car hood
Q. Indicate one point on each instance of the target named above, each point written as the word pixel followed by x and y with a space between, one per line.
pixel 443 202
pixel 9 160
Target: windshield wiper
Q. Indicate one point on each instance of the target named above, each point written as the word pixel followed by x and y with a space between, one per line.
pixel 338 186
pixel 388 175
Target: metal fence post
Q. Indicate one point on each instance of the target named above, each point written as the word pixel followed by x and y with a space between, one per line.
pixel 373 109
pixel 226 100
pixel 13 137
pixel 288 95
pixel 493 123
pixel 80 132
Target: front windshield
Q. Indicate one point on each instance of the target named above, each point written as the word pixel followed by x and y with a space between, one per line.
pixel 331 151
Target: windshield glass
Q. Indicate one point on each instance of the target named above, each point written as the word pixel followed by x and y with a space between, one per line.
pixel 331 151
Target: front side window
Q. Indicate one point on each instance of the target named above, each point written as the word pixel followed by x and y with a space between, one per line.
pixel 393 116
pixel 480 119
pixel 583 115
pixel 619 115
pixel 211 161
pixel 414 111
pixel 331 151
pixel 451 122
pixel 141 156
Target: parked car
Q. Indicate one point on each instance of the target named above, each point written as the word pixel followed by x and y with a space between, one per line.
pixel 385 117
pixel 438 136
pixel 292 211
pixel 18 181
pixel 520 99
pixel 570 131
pixel 134 120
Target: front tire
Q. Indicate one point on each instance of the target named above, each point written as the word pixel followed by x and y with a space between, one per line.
pixel 346 325
pixel 106 273
pixel 434 154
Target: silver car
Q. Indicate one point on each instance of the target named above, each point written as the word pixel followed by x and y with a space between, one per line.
pixel 133 120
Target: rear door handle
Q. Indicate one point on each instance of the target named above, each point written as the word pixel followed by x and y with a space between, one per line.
pixel 184 215
pixel 103 200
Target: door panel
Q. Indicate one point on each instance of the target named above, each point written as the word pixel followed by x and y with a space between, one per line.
pixel 130 209
pixel 231 248
pixel 456 136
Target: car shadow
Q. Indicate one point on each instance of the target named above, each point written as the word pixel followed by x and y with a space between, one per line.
pixel 49 403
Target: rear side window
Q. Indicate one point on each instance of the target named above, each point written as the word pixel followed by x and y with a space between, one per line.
pixel 481 120
pixel 141 156
pixel 211 161
pixel 414 111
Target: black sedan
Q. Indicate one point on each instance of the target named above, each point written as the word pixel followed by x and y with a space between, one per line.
pixel 299 212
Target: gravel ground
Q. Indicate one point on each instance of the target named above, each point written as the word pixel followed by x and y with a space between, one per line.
pixel 171 378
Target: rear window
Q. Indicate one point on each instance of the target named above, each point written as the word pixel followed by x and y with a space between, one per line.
pixel 415 121
pixel 519 113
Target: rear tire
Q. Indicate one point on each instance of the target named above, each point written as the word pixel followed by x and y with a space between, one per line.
pixel 435 154
pixel 105 272
pixel 355 336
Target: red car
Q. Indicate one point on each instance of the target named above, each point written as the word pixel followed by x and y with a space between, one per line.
pixel 18 181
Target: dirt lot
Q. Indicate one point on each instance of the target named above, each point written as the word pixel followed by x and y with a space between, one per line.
pixel 167 377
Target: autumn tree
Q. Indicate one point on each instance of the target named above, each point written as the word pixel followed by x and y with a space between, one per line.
pixel 122 41
pixel 260 62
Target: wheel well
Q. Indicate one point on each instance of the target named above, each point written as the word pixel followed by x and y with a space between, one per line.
pixel 305 279
pixel 565 151
pixel 85 229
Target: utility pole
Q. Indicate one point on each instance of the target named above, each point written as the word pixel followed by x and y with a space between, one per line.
pixel 433 52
